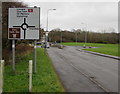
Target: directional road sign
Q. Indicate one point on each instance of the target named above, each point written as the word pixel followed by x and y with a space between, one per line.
pixel 24 23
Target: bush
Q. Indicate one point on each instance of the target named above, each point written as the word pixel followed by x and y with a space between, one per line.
pixel 22 50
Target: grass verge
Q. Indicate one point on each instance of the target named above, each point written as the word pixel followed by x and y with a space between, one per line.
pixel 110 49
pixel 45 80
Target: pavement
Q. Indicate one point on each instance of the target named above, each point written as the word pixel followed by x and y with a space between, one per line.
pixel 84 72
pixel 100 54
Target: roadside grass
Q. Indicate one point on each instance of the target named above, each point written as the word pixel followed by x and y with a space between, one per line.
pixel 45 80
pixel 110 49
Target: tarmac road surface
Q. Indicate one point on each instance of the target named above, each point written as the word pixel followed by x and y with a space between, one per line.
pixel 84 72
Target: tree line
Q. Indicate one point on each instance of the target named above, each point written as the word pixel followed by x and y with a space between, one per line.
pixel 79 36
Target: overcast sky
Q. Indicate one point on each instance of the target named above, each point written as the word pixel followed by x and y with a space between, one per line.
pixel 93 16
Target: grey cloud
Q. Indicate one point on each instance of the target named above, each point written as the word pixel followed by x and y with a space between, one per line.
pixel 69 15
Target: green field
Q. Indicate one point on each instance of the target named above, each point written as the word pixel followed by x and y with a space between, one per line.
pixel 110 49
pixel 45 80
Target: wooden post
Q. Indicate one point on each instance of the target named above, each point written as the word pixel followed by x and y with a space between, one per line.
pixel 13 56
pixel 30 75
pixel 1 75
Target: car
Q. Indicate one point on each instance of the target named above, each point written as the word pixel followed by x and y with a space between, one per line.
pixel 45 45
pixel 38 43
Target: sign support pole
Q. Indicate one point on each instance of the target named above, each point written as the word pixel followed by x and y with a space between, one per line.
pixel 35 42
pixel 13 55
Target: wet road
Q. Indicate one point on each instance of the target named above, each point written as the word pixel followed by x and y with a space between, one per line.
pixel 84 72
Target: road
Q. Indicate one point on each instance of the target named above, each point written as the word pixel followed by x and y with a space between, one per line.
pixel 84 72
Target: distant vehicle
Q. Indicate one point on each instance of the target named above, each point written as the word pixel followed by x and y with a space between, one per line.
pixel 48 45
pixel 44 45
pixel 39 43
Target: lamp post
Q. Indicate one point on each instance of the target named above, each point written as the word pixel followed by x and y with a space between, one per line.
pixel 76 36
pixel 46 33
pixel 76 39
pixel 85 36
pixel 61 37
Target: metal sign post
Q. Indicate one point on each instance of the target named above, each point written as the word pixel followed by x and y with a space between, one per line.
pixel 35 42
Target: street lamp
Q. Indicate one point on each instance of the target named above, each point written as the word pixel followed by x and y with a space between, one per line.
pixel 73 30
pixel 76 36
pixel 85 36
pixel 61 37
pixel 46 33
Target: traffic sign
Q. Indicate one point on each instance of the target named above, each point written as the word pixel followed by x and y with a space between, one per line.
pixel 14 33
pixel 24 23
